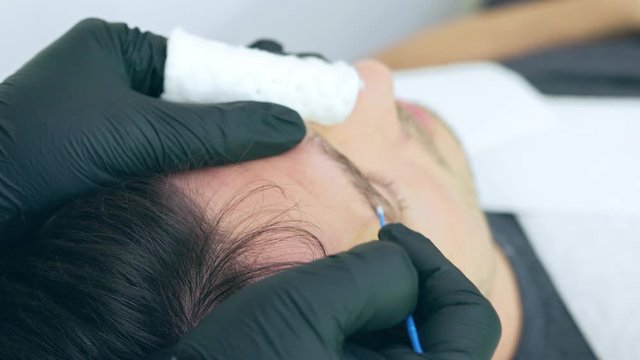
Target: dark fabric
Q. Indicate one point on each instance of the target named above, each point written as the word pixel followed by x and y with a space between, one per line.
pixel 492 3
pixel 607 67
pixel 599 68
pixel 549 332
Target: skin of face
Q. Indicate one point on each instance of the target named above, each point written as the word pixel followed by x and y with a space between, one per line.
pixel 412 161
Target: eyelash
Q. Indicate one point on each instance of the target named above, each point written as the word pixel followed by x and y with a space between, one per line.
pixel 390 186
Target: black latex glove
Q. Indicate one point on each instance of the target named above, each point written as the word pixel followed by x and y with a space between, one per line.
pixel 84 113
pixel 275 47
pixel 454 320
pixel 352 306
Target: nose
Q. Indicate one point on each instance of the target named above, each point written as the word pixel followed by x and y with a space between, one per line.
pixel 376 77
pixel 373 121
pixel 376 105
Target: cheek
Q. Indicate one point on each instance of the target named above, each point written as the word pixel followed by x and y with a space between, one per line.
pixel 440 210
pixel 442 213
pixel 449 147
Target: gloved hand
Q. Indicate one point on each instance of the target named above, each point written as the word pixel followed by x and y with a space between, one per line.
pixel 352 306
pixel 84 113
pixel 275 47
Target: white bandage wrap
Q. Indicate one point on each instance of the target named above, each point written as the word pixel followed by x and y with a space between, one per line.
pixel 200 70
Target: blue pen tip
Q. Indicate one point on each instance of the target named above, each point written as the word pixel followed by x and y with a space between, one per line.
pixel 413 335
pixel 410 323
pixel 380 213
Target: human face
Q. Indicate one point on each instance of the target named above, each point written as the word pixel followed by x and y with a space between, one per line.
pixel 386 153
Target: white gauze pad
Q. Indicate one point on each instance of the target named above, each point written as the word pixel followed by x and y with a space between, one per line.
pixel 200 70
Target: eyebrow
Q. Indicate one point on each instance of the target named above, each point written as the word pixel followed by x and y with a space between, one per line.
pixel 360 182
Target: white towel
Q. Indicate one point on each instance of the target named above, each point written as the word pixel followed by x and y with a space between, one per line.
pixel 199 70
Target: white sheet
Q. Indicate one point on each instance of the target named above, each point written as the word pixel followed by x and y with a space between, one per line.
pixel 481 101
pixel 588 162
pixel 569 168
pixel 591 253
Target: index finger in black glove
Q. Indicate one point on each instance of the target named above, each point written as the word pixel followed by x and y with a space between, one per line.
pixel 453 318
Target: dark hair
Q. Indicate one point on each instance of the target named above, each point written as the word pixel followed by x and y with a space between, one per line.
pixel 128 271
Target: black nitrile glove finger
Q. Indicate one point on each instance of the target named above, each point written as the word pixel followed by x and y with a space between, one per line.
pixel 310 311
pixel 454 320
pixel 352 306
pixel 268 45
pixel 275 47
pixel 83 113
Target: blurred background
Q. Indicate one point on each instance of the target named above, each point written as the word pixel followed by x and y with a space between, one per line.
pixel 551 124
pixel 301 25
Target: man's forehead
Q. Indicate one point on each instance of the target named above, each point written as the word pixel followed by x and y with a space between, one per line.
pixel 315 166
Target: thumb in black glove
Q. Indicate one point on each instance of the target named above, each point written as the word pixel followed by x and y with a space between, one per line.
pixel 84 113
pixel 453 318
pixel 352 306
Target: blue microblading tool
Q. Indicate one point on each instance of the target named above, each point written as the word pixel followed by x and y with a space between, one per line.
pixel 410 323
